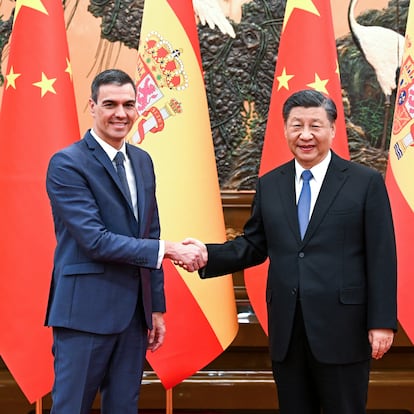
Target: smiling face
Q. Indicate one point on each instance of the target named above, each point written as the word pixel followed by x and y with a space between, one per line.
pixel 114 112
pixel 309 134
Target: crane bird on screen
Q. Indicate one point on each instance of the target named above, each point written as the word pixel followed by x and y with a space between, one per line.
pixel 383 49
pixel 210 12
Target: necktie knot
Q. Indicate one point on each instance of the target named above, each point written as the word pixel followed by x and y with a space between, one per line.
pixel 119 158
pixel 306 175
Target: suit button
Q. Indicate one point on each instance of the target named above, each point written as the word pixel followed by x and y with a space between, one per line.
pixel 301 255
pixel 294 291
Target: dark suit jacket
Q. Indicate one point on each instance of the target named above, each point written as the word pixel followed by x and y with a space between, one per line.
pixel 344 271
pixel 104 260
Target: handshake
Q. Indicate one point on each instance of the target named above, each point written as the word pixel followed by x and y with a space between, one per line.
pixel 190 254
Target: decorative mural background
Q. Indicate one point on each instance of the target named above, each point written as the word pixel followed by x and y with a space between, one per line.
pixel 239 77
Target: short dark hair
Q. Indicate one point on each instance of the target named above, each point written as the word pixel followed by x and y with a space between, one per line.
pixel 107 77
pixel 309 98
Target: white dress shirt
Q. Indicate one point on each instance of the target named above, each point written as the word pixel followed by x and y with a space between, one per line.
pixel 318 175
pixel 111 152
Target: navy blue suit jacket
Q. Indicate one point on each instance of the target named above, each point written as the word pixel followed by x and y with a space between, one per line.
pixel 344 270
pixel 105 261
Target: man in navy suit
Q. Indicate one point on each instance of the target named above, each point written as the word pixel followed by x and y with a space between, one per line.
pixel 331 292
pixel 106 299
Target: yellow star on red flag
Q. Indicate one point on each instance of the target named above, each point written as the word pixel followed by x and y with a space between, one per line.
pixel 283 80
pixel 337 70
pixel 46 85
pixel 319 84
pixel 306 5
pixel 69 68
pixel 11 78
pixel 33 4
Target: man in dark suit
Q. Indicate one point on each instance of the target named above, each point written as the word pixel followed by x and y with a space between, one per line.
pixel 331 293
pixel 106 298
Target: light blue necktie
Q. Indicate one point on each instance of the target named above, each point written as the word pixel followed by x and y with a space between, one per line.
pixel 120 169
pixel 304 202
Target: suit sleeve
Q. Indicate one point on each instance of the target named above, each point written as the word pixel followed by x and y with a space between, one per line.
pixel 77 197
pixel 246 250
pixel 381 260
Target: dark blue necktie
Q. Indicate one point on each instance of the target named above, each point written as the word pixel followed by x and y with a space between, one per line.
pixel 304 202
pixel 120 169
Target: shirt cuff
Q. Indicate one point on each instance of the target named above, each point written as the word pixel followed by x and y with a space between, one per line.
pixel 161 251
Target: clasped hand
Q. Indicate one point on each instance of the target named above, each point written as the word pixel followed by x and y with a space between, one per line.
pixel 196 252
pixel 190 254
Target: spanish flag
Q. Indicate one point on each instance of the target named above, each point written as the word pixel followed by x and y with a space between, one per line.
pixel 174 127
pixel 399 185
pixel 307 59
pixel 38 116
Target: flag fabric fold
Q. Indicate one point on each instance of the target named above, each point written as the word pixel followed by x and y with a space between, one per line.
pixel 400 189
pixel 38 116
pixel 174 127
pixel 307 59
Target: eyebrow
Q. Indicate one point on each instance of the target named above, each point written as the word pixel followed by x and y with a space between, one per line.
pixel 296 119
pixel 130 101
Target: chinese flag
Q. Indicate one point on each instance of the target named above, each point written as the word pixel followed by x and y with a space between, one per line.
pixel 307 59
pixel 38 117
pixel 174 128
pixel 398 179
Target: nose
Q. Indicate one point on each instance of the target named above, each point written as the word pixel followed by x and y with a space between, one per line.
pixel 120 111
pixel 306 133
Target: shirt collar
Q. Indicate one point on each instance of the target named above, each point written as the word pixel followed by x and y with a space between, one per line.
pixel 109 149
pixel 318 171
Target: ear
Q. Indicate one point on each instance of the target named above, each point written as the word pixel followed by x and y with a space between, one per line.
pixel 91 104
pixel 136 115
pixel 333 129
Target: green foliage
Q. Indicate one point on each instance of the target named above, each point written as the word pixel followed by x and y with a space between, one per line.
pixel 5 31
pixel 370 113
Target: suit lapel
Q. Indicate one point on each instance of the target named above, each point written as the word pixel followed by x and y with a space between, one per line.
pixel 335 178
pixel 102 157
pixel 287 195
pixel 139 180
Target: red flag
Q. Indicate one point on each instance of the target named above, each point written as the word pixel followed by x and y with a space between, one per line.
pixel 38 117
pixel 174 128
pixel 307 59
pixel 398 179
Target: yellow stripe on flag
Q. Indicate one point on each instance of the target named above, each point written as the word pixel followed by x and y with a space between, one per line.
pixel 398 179
pixel 174 128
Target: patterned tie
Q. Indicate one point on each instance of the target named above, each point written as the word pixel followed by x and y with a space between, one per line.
pixel 120 169
pixel 304 202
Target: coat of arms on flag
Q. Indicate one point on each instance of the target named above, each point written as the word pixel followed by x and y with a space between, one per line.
pixel 402 139
pixel 404 109
pixel 159 75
